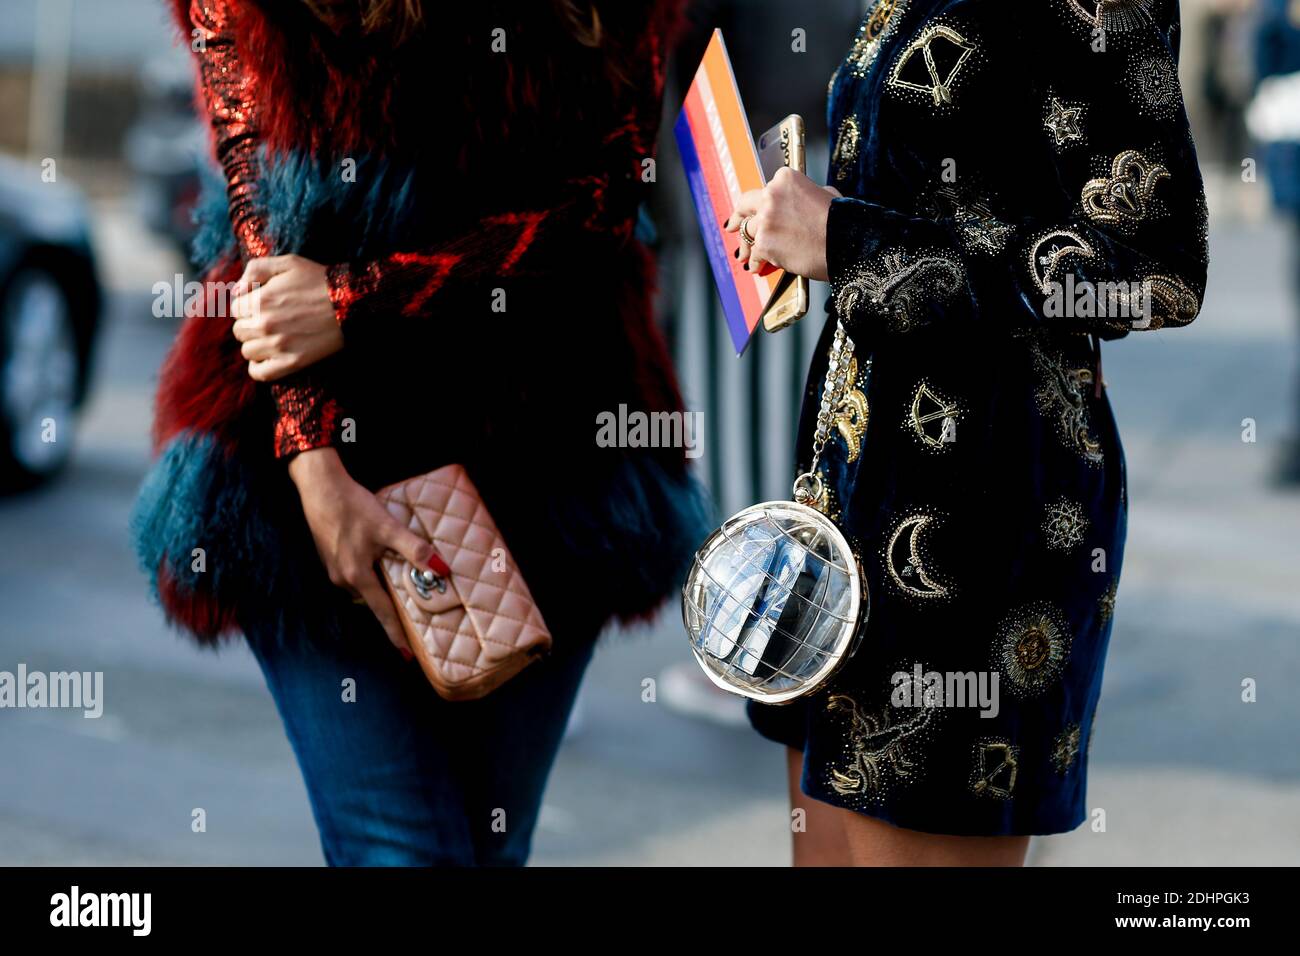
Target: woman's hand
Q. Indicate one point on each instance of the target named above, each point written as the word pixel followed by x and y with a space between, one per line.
pixel 352 530
pixel 787 221
pixel 284 316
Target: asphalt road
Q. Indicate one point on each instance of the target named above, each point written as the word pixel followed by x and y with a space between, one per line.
pixel 1186 772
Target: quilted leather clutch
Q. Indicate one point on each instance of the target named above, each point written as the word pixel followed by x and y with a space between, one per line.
pixel 474 630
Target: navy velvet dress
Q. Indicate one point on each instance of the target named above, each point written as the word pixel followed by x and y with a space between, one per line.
pixel 1020 183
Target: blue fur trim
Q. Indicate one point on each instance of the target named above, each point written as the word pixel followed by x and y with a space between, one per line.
pixel 258 561
pixel 359 211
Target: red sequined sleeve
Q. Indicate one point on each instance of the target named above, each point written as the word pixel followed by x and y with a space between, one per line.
pixel 601 200
pixel 306 414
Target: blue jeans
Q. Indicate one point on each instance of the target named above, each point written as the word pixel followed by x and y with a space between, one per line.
pixel 401 777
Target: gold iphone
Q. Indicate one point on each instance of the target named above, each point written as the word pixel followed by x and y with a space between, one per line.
pixel 783 145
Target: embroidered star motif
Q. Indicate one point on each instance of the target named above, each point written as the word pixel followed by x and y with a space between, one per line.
pixel 1158 81
pixel 1063 122
pixel 1065 525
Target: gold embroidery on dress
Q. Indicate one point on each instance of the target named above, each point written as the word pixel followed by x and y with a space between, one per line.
pixel 846 147
pixel 1125 195
pixel 972 218
pixel 906 554
pixel 932 419
pixel 1154 85
pixel 1064 525
pixel 879 23
pixel 1172 303
pixel 880 750
pixel 996 765
pixel 1061 397
pixel 1047 252
pixel 1118 15
pixel 851 413
pixel 1106 603
pixel 1031 649
pixel 899 289
pixel 1064 121
pixel 1065 748
pixel 942 54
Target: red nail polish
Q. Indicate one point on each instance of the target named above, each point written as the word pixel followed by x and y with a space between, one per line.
pixel 439 566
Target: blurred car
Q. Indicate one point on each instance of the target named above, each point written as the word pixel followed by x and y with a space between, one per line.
pixel 50 302
pixel 164 148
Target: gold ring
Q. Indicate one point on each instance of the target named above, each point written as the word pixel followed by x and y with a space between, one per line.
pixel 745 236
pixel 358 600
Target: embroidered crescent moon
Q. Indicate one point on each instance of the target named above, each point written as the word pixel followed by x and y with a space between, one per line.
pixel 1046 254
pixel 906 565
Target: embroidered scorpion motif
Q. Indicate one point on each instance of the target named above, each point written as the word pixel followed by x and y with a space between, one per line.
pixel 879 747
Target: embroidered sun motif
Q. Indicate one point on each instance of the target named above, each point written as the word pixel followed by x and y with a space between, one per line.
pixel 1031 649
pixel 1117 15
pixel 1065 525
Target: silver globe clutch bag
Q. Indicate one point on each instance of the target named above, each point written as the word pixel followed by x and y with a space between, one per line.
pixel 775 599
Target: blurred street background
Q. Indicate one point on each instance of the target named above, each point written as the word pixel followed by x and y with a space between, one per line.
pixel 1185 770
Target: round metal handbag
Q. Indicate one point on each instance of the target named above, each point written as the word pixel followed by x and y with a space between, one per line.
pixel 775 599
pixel 773 602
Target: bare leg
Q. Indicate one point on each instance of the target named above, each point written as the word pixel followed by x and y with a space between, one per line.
pixel 822 841
pixel 838 837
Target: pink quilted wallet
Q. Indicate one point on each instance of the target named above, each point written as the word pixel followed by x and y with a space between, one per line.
pixel 475 630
